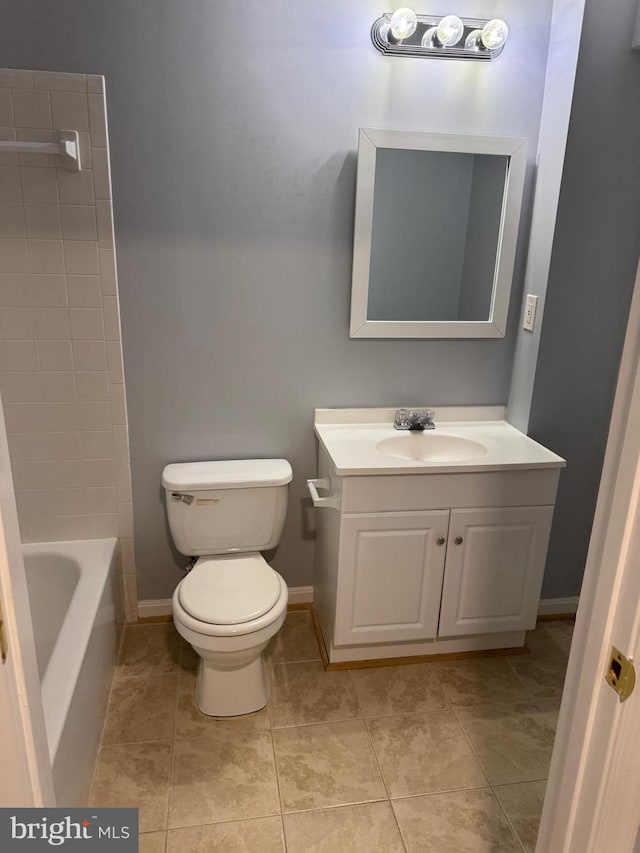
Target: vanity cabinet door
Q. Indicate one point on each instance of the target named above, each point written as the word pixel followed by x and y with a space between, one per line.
pixel 493 574
pixel 390 576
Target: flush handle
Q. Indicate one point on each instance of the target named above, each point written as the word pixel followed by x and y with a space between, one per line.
pixel 182 498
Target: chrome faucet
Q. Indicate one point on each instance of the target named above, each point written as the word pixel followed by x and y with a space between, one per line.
pixel 418 419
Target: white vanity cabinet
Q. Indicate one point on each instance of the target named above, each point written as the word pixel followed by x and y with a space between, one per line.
pixel 391 566
pixel 494 567
pixel 426 563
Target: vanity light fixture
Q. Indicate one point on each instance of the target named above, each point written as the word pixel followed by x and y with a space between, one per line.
pixel 404 33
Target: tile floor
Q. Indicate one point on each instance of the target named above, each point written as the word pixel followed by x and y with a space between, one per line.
pixel 446 757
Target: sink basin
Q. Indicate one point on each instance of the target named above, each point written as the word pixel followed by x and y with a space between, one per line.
pixel 431 447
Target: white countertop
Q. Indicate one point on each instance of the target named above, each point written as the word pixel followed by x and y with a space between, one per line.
pixel 350 437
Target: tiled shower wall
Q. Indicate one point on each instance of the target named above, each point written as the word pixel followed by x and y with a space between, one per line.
pixel 61 372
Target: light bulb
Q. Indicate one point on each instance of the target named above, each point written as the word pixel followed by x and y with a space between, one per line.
pixel 403 23
pixel 494 34
pixel 450 30
pixel 428 39
pixel 472 41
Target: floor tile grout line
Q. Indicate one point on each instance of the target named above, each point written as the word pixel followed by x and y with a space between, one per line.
pixel 106 716
pixel 369 802
pixel 474 752
pixel 377 761
pixel 226 822
pixel 173 746
pixel 441 793
pixel 485 773
pixel 508 819
pixel 277 775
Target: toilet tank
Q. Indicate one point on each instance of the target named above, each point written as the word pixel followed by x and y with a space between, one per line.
pixel 226 507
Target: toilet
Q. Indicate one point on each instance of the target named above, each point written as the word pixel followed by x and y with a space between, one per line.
pixel 231 603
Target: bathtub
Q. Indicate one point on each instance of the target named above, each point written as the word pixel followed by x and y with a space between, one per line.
pixel 75 606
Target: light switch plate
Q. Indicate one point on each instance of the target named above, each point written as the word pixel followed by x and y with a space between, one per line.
pixel 530 307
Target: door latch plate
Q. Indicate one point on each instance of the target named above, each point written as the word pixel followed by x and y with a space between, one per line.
pixel 4 639
pixel 621 674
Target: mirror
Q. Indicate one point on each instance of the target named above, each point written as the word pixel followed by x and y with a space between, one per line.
pixel 435 236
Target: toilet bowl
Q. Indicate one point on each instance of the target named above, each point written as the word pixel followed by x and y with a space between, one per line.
pixel 231 603
pixel 232 678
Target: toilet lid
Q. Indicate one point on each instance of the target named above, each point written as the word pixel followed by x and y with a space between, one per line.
pixel 229 590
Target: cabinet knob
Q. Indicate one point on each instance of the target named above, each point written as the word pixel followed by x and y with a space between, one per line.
pixel 440 540
pixel 458 540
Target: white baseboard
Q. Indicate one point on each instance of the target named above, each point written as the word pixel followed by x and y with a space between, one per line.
pixel 551 606
pixel 154 607
pixel 300 594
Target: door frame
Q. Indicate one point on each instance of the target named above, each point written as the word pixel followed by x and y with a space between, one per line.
pixel 25 750
pixel 586 763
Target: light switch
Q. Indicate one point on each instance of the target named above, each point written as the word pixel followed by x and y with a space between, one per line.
pixel 530 306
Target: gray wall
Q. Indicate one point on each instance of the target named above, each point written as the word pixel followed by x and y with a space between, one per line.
pixel 595 254
pixel 233 176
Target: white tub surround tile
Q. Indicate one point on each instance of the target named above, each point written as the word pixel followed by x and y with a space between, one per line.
pixel 99 472
pixel 45 257
pixel 94 416
pixel 13 255
pixel 62 417
pixel 55 81
pixel 6 108
pixel 68 475
pixel 87 324
pixel 39 186
pixel 10 187
pixel 24 417
pixel 49 291
pixel 52 324
pixel 65 445
pixel 108 271
pixel 18 324
pixel 42 221
pixel 92 386
pixel 21 355
pixel 31 108
pixel 97 121
pixel 40 529
pixel 84 291
pixel 95 83
pixel 55 355
pixel 12 219
pixel 79 222
pixel 70 111
pixel 90 355
pixel 97 444
pixel 59 387
pixel 76 187
pixel 81 257
pixel 15 290
pixel 61 372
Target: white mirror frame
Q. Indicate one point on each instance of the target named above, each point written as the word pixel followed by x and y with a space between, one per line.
pixel 495 326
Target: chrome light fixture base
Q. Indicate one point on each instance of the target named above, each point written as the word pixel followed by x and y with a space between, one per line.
pixel 412 46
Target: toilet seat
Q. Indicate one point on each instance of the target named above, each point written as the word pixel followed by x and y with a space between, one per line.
pixel 183 618
pixel 229 590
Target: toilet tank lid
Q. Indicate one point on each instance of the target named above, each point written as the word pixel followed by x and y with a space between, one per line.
pixel 227 474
